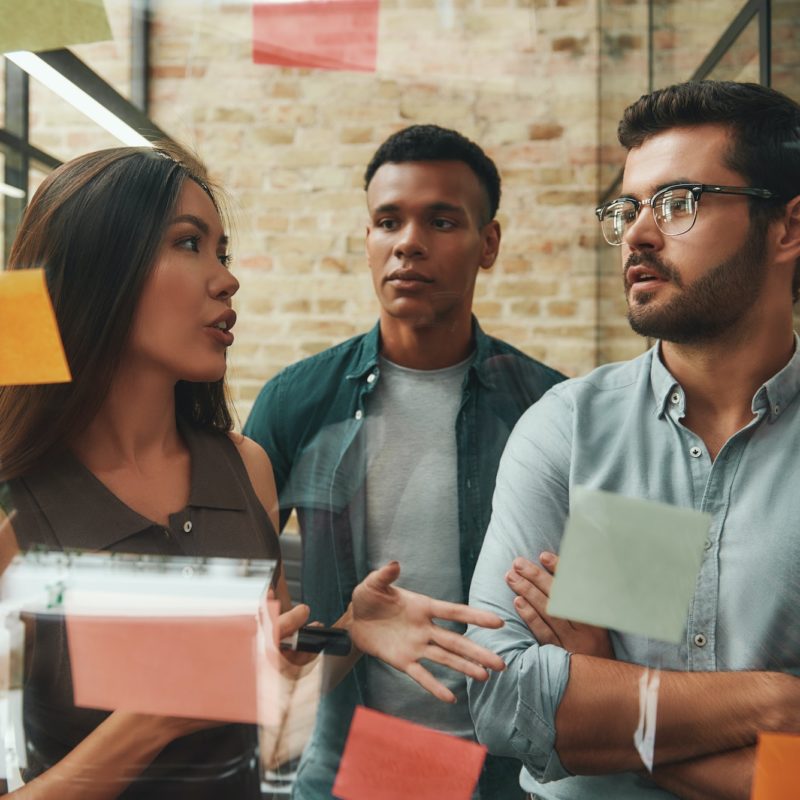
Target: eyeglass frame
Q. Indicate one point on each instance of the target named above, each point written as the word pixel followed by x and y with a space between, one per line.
pixel 697 189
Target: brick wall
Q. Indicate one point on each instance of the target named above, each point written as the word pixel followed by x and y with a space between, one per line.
pixel 521 77
pixel 291 145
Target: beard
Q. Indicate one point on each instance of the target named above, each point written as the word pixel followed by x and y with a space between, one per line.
pixel 709 307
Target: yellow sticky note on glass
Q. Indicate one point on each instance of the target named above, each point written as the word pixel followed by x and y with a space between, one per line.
pixel 777 771
pixel 51 24
pixel 30 345
pixel 628 564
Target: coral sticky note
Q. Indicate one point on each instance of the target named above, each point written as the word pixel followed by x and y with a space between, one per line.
pixel 201 666
pixel 777 771
pixel 391 759
pixel 51 24
pixel 326 34
pixel 30 345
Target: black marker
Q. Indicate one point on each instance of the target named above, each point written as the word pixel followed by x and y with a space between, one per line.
pixel 315 639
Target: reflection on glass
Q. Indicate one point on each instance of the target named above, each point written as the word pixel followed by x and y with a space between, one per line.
pixel 786 47
pixel 623 76
pixel 741 61
pixel 684 32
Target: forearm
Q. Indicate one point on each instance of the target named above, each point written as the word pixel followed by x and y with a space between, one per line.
pixel 723 776
pixel 699 713
pixel 105 762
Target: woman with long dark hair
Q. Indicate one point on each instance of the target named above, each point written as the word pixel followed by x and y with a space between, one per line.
pixel 137 455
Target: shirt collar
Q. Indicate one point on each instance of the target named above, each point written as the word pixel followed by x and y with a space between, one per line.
pixel 367 358
pixel 772 397
pixel 73 499
pixel 369 351
pixel 214 478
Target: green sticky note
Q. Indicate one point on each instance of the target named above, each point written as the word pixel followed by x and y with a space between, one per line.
pixel 628 564
pixel 51 24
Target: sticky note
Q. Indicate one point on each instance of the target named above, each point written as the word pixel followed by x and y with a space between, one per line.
pixel 51 24
pixel 386 758
pixel 777 769
pixel 628 564
pixel 30 345
pixel 326 34
pixel 201 667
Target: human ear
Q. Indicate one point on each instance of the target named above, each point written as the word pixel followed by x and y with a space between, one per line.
pixel 787 246
pixel 491 244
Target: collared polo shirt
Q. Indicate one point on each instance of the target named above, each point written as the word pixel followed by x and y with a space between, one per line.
pixel 63 505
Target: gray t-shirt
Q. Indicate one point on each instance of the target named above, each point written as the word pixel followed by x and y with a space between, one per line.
pixel 412 516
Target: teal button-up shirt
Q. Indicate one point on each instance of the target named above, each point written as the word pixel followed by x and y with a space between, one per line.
pixel 310 420
pixel 619 429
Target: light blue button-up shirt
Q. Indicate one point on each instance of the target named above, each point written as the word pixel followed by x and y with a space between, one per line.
pixel 619 429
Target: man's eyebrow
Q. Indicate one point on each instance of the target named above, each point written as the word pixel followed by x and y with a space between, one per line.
pixel 664 185
pixel 199 223
pixel 389 208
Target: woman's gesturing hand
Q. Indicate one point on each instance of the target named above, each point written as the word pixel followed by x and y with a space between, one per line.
pixel 397 626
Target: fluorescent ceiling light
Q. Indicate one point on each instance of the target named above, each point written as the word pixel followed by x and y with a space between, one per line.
pixel 66 89
pixel 11 191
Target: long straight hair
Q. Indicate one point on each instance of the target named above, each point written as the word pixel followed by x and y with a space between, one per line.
pixel 95 226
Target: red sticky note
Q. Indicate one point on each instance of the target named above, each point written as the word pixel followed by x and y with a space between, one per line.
pixel 777 770
pixel 202 667
pixel 326 34
pixel 391 759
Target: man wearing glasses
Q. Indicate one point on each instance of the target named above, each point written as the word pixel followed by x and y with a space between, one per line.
pixel 708 226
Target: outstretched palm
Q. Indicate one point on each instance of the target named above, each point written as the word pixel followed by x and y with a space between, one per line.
pixel 397 626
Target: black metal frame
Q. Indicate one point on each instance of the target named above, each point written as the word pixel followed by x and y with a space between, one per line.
pixel 762 8
pixel 14 141
pixel 17 158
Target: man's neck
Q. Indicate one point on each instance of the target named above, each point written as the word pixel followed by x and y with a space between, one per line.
pixel 721 377
pixel 426 346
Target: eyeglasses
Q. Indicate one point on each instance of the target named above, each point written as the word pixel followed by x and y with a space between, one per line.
pixel 674 208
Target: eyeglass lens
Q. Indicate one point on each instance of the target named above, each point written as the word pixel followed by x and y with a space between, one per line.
pixel 674 211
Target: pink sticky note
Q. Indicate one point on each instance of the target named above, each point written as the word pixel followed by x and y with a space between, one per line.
pixel 777 770
pixel 202 667
pixel 391 759
pixel 326 34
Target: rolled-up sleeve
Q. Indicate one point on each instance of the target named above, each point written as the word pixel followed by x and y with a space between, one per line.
pixel 514 711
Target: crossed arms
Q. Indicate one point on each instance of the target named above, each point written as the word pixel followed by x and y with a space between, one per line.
pixel 565 714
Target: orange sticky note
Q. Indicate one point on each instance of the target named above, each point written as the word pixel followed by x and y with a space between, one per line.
pixel 30 345
pixel 777 770
pixel 386 758
pixel 326 34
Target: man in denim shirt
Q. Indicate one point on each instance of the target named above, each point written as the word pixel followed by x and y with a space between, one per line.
pixel 387 444
pixel 709 418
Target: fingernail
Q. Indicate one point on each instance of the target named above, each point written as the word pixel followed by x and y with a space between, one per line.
pixel 518 563
pixel 510 576
pixel 518 602
pixel 546 558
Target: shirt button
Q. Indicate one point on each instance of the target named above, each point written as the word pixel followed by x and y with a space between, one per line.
pixel 371 377
pixel 166 533
pixel 187 526
pixel 776 410
pixel 695 452
pixel 675 398
pixel 707 545
pixel 700 640
pixel 359 414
